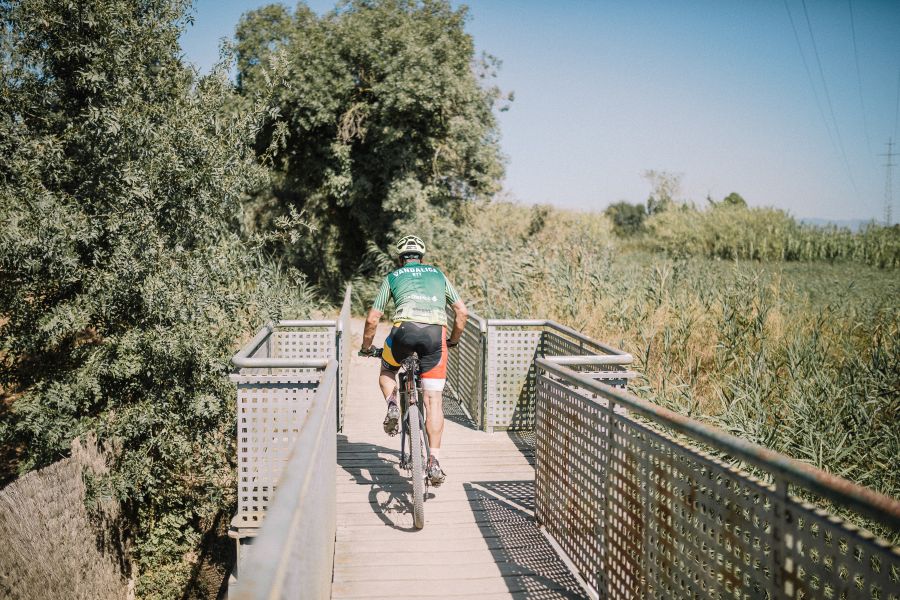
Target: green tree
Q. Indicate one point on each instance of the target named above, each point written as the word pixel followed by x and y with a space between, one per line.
pixel 385 119
pixel 124 280
pixel 734 199
pixel 627 219
pixel 262 32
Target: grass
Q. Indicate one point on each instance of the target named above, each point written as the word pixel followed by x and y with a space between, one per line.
pixel 55 548
pixel 801 357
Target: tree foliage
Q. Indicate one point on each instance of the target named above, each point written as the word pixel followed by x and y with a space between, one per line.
pixel 734 199
pixel 385 117
pixel 627 219
pixel 124 279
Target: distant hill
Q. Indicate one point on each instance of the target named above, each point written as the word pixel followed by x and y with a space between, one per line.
pixel 851 224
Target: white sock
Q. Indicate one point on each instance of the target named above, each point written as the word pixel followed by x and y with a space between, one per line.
pixel 392 397
pixel 434 452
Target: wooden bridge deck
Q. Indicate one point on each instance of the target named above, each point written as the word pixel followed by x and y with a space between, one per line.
pixel 479 539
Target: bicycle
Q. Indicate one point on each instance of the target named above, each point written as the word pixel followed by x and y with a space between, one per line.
pixel 412 428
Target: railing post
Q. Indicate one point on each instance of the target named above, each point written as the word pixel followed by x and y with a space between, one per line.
pixel 778 553
pixel 482 384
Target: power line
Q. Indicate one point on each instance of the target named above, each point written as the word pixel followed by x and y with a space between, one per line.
pixel 888 182
pixel 862 103
pixel 837 129
pixel 812 84
pixel 897 111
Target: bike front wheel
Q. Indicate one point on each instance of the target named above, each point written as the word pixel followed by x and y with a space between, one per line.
pixel 418 466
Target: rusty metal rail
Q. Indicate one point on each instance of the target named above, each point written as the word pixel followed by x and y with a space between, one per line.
pixel 642 512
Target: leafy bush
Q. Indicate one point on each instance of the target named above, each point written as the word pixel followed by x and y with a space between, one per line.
pixel 125 280
pixel 627 219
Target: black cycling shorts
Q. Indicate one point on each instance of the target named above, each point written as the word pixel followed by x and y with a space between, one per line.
pixel 429 341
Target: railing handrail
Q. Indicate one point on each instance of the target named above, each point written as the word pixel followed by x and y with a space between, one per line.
pixel 268 563
pixel 482 322
pixel 308 323
pixel 255 342
pixel 344 306
pixel 592 359
pixel 563 329
pixel 279 363
pixel 242 359
pixel 877 506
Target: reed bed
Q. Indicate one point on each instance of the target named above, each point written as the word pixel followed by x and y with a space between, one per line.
pixel 801 357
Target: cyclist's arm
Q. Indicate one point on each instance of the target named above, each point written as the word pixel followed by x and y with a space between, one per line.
pixel 375 314
pixel 371 324
pixel 459 322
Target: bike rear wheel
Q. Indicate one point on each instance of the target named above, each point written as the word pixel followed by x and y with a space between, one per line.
pixel 418 466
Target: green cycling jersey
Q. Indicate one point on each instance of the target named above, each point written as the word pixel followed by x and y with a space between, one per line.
pixel 421 294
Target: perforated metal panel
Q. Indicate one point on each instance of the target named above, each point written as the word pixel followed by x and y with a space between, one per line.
pixel 270 411
pixel 303 343
pixel 510 379
pixel 465 370
pixel 510 376
pixel 643 515
pixel 293 555
pixel 828 558
pixel 271 405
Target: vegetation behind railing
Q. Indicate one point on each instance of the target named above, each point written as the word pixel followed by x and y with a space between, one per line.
pixel 800 357
pixel 738 232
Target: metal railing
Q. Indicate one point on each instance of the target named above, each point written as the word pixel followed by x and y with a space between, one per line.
pixel 293 555
pixel 278 375
pixel 493 372
pixel 643 511
pixel 645 503
pixel 465 368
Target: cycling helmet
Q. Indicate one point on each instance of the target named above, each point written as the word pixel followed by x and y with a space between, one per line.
pixel 410 245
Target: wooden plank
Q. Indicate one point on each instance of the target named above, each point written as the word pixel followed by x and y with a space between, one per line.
pixel 442 570
pixel 445 588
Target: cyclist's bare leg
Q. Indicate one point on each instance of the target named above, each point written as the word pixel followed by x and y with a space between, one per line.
pixel 434 421
pixel 387 380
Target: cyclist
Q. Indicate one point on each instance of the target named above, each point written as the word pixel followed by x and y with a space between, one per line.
pixel 421 293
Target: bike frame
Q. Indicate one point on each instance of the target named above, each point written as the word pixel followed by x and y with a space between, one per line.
pixel 408 389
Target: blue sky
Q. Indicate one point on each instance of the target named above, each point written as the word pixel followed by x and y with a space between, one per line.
pixel 715 90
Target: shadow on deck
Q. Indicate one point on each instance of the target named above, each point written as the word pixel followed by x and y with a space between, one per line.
pixel 531 568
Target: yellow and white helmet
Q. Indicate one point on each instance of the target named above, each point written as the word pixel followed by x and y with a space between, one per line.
pixel 410 244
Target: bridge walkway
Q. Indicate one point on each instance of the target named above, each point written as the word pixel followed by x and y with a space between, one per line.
pixel 480 538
